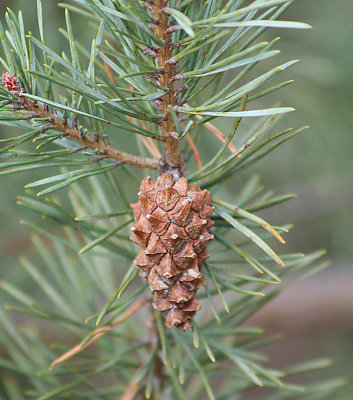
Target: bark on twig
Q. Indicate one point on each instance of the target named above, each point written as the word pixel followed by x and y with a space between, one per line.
pixel 100 332
pixel 131 391
pixel 173 154
pixel 74 133
pixel 159 374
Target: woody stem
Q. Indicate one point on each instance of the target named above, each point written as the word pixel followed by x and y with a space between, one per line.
pixel 173 154
pixel 104 148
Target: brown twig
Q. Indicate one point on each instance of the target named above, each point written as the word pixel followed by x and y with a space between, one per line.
pixel 159 376
pixel 153 149
pixel 195 152
pixel 91 143
pixel 173 154
pixel 133 388
pixel 219 135
pixel 148 142
pixel 100 332
pixel 109 72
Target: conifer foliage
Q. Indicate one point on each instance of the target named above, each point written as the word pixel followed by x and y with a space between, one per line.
pixel 158 78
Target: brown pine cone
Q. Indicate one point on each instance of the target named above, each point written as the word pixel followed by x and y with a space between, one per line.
pixel 172 224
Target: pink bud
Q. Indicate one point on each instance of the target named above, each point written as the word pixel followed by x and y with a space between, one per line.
pixel 11 83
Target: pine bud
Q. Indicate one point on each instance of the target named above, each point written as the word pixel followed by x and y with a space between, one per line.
pixel 11 83
pixel 172 230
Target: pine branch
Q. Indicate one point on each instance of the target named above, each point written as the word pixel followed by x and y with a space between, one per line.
pixel 103 147
pixel 132 78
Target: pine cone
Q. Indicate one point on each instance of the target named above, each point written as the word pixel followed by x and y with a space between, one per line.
pixel 172 224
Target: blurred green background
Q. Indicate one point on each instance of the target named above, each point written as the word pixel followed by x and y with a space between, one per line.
pixel 318 166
